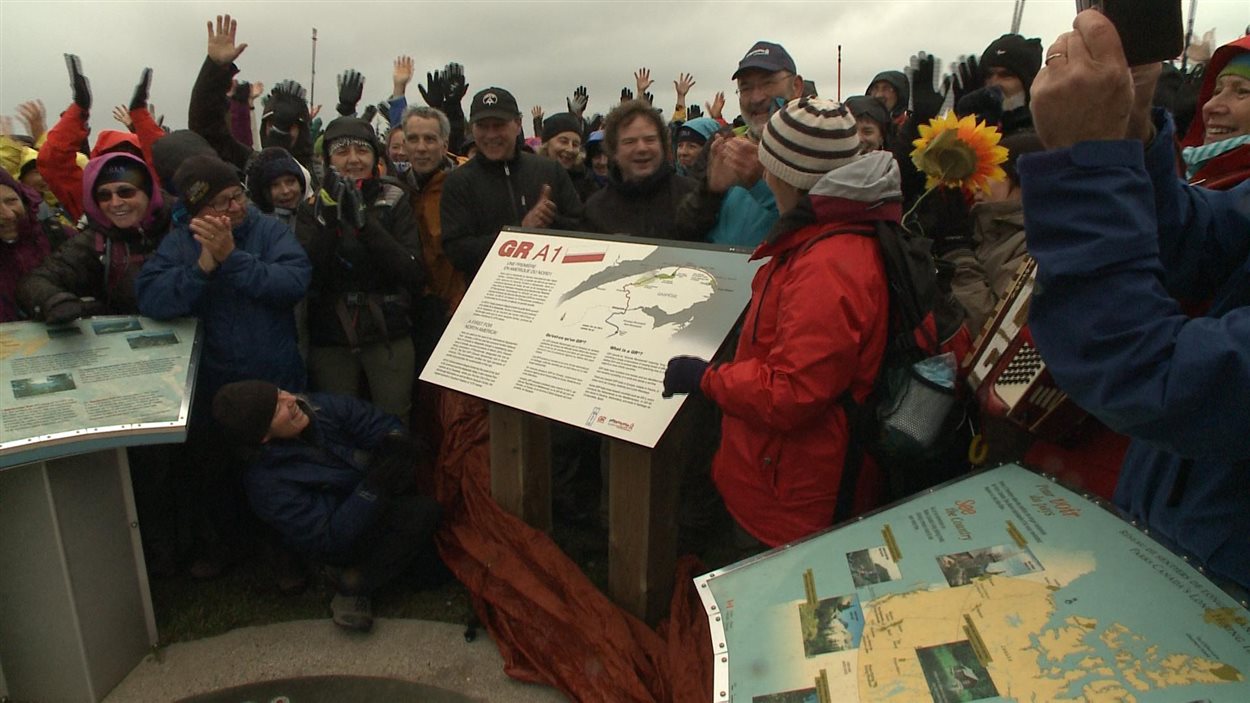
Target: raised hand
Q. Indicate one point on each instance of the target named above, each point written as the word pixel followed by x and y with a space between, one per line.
pixel 626 95
pixel 536 113
pixel 649 98
pixel 454 82
pixel 239 90
pixel 78 83
pixel 642 80
pixel 221 46
pixel 715 107
pixel 578 102
pixel 121 114
pixel 965 77
pixel 693 112
pixel 401 75
pixel 258 89
pixel 544 211
pixel 351 87
pixel 35 116
pixel 683 84
pixel 435 92
pixel 926 101
pixel 140 97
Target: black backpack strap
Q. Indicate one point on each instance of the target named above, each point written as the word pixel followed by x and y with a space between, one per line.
pixel 853 463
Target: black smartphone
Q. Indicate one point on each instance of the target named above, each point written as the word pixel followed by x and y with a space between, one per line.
pixel 1150 30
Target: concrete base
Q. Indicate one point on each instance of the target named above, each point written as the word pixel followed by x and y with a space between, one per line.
pixel 431 653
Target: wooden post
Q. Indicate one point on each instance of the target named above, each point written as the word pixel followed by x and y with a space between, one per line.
pixel 520 464
pixel 642 536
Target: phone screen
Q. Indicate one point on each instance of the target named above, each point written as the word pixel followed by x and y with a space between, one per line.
pixel 1150 30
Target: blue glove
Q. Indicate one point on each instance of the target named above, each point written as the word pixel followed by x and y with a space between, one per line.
pixel 683 375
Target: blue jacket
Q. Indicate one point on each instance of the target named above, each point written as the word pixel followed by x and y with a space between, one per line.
pixel 246 306
pixel 745 217
pixel 1116 235
pixel 310 488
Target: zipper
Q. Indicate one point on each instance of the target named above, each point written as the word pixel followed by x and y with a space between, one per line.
pixel 507 172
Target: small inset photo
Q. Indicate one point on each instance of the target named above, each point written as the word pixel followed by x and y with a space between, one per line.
pixel 954 674
pixel 874 565
pixel 962 568
pixel 59 331
pixel 831 625
pixel 151 339
pixel 129 324
pixel 56 383
pixel 802 695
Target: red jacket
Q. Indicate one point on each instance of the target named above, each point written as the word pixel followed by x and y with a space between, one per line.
pixel 58 158
pixel 816 326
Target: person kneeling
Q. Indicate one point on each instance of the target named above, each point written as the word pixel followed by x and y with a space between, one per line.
pixel 334 476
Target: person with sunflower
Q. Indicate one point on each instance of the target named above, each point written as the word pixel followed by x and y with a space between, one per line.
pixel 1118 239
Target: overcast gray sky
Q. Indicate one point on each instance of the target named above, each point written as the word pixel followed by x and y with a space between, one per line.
pixel 538 50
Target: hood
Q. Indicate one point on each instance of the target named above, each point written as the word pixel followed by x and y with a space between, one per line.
pixel 30 199
pixel 899 81
pixel 869 178
pixel 1218 61
pixel 111 139
pixel 170 151
pixel 92 172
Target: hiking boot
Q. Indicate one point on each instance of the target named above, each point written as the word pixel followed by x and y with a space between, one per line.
pixel 352 612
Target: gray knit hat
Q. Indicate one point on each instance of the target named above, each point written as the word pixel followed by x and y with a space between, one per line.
pixel 806 139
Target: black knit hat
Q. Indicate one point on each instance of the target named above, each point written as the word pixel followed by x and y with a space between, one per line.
pixel 269 165
pixel 1020 56
pixel 349 128
pixel 200 178
pixel 560 123
pixel 170 151
pixel 245 409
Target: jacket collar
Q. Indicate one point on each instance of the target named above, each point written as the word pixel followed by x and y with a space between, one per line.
pixel 646 186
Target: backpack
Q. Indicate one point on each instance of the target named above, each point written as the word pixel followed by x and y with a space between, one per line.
pixel 915 429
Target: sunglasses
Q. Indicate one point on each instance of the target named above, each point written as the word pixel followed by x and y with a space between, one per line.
pixel 105 195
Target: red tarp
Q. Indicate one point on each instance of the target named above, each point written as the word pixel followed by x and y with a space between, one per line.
pixel 551 624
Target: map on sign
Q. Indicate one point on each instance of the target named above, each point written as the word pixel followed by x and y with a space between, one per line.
pixel 1001 587
pixel 580 329
pixel 632 298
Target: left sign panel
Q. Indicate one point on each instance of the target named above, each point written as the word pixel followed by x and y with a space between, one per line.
pixel 97 380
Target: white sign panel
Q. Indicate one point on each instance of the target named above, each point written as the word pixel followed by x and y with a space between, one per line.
pixel 580 330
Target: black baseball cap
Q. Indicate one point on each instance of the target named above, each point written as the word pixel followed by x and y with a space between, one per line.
pixel 493 102
pixel 766 56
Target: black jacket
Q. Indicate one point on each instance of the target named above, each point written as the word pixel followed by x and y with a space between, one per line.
pixel 483 196
pixel 363 283
pixel 647 208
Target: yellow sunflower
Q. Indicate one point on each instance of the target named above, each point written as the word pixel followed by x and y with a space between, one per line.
pixel 959 153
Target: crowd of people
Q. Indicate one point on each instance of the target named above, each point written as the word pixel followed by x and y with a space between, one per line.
pixel 324 261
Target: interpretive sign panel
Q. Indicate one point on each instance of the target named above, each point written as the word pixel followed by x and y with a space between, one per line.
pixel 94 380
pixel 580 329
pixel 1004 586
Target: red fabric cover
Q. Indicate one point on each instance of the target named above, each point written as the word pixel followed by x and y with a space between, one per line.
pixel 816 326
pixel 550 623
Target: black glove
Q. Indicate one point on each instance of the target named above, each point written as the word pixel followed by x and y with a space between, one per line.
pixel 351 87
pixel 626 94
pixel 649 98
pixel 140 98
pixel 964 78
pixel 683 375
pixel 693 112
pixel 68 307
pixel 370 112
pixel 577 103
pixel 78 83
pixel 925 100
pixel 435 94
pixel 986 103
pixel 1184 104
pixel 351 209
pixel 286 105
pixel 331 194
pixel 945 217
pixel 454 83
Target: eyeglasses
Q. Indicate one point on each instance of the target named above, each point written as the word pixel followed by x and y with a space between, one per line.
pixel 761 85
pixel 223 203
pixel 104 195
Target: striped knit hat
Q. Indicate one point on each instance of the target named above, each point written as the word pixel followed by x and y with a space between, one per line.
pixel 806 139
